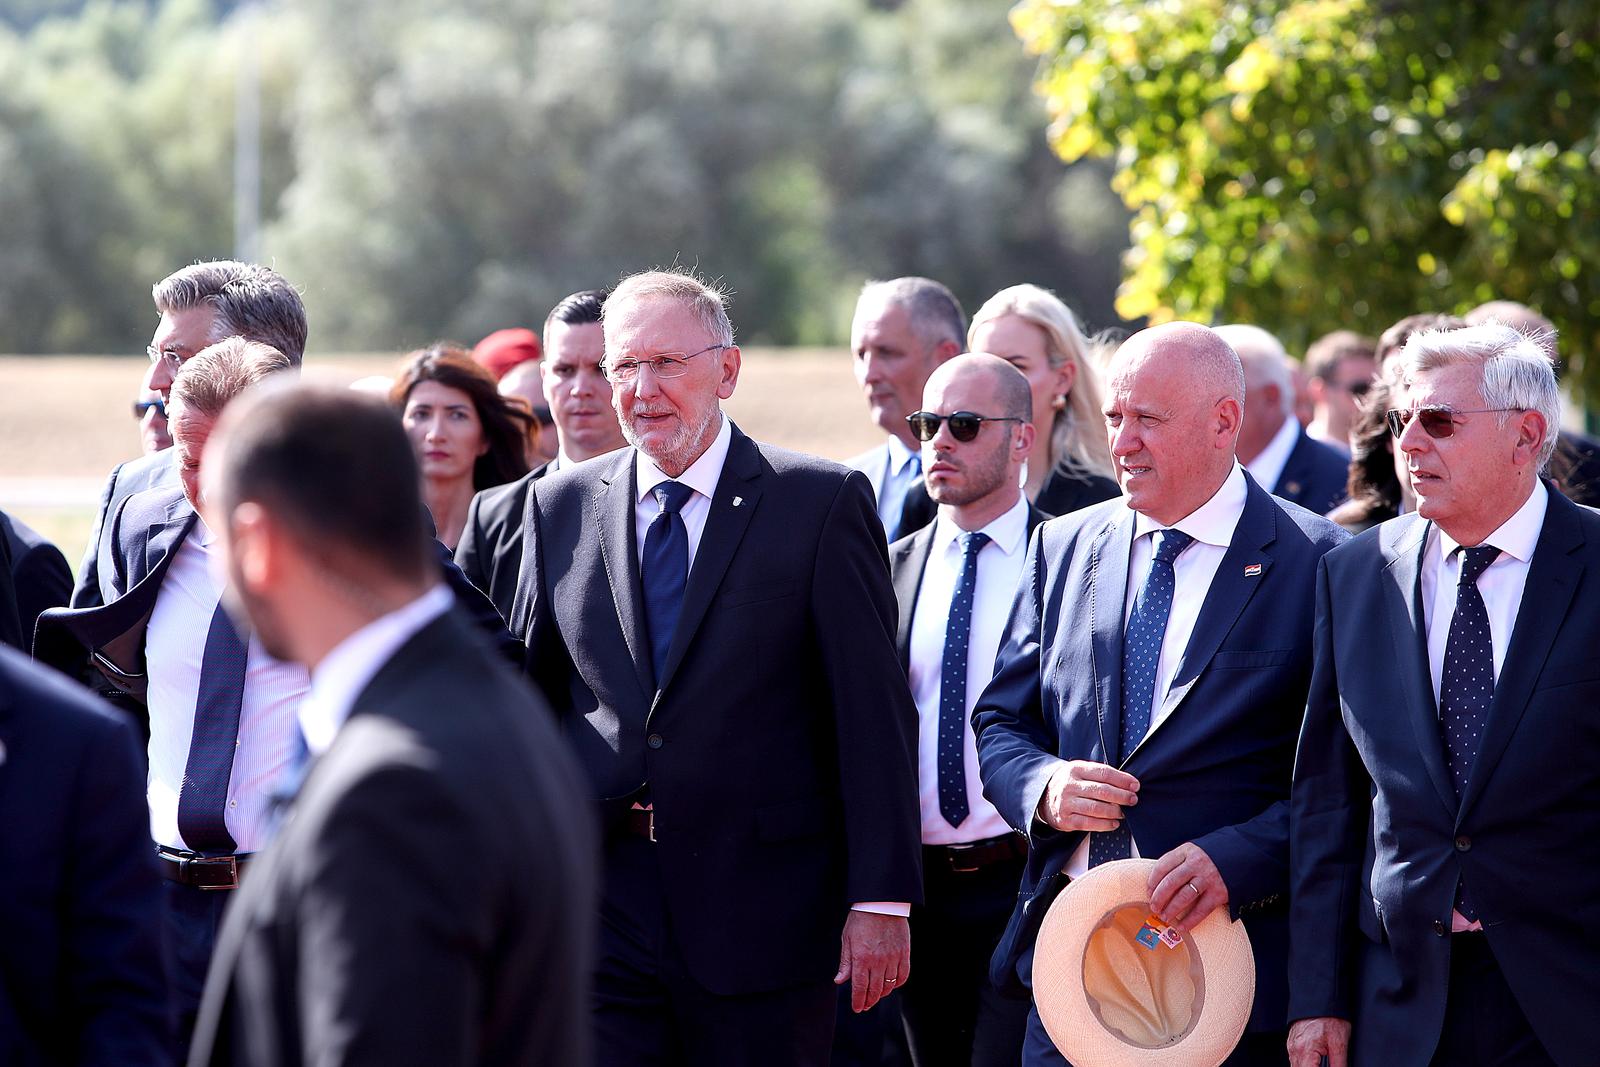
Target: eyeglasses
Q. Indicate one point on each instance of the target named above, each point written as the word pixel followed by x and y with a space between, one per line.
pixel 964 425
pixel 1437 422
pixel 664 364
pixel 1358 389
pixel 170 356
pixel 142 406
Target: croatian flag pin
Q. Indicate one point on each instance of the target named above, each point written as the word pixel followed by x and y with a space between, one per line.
pixel 1252 570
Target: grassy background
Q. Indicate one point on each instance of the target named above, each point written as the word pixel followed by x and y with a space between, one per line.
pixel 65 421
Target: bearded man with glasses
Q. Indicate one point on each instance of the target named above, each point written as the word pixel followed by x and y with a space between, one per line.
pixel 1444 819
pixel 713 623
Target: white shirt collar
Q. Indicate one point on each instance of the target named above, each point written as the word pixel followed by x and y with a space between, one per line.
pixel 345 671
pixel 702 474
pixel 1212 522
pixel 1518 536
pixel 1267 468
pixel 1008 532
pixel 900 454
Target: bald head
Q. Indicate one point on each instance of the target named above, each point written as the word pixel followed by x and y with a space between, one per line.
pixel 1269 386
pixel 1172 416
pixel 975 479
pixel 1519 317
pixel 1008 388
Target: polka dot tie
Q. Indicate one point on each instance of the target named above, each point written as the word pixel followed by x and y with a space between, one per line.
pixel 1467 684
pixel 1141 656
pixel 665 570
pixel 952 761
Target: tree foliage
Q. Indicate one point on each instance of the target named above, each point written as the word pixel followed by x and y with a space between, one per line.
pixel 1316 164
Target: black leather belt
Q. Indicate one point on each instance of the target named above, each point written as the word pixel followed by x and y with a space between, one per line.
pixel 974 856
pixel 202 872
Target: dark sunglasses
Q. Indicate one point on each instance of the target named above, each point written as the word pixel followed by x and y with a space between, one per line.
pixel 142 406
pixel 964 425
pixel 1437 422
pixel 1358 389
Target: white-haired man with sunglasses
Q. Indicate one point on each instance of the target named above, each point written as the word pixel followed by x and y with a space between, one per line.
pixel 1445 826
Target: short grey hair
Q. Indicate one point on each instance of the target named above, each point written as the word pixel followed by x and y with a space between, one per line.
pixel 1264 359
pixel 248 300
pixel 708 302
pixel 935 313
pixel 1518 372
pixel 206 383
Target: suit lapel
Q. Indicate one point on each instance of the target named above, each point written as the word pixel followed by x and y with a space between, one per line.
pixel 1291 481
pixel 618 548
pixel 906 569
pixel 164 536
pixel 1108 589
pixel 1408 625
pixel 1553 576
pixel 725 527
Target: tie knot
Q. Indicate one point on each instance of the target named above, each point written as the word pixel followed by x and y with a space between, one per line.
pixel 1171 542
pixel 973 542
pixel 1474 561
pixel 672 496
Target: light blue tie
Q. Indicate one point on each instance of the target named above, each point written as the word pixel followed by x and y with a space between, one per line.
pixel 1141 656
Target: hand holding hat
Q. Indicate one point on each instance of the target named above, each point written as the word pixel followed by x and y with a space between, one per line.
pixel 1186 886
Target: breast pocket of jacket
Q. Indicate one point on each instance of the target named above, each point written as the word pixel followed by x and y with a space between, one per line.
pixel 759 593
pixel 1239 660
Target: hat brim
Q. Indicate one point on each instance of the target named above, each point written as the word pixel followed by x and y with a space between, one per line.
pixel 1221 946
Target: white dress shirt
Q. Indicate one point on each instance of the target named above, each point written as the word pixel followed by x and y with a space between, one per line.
pixel 1267 468
pixel 1000 565
pixel 347 670
pixel 1500 585
pixel 1211 525
pixel 175 640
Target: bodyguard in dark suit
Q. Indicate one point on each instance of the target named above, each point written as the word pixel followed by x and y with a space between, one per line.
pixel 490 550
pixel 713 623
pixel 39 573
pixel 428 896
pixel 955 580
pixel 1446 830
pixel 1150 689
pixel 81 979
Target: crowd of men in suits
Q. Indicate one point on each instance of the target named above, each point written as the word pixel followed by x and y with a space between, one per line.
pixel 704 751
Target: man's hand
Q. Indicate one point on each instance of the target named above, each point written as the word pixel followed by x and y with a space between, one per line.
pixel 1186 886
pixel 1312 1039
pixel 1087 796
pixel 874 957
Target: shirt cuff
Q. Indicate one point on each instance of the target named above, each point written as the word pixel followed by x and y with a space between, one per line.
pixel 880 907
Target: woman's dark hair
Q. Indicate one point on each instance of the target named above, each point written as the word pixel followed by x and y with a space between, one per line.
pixel 1374 486
pixel 508 428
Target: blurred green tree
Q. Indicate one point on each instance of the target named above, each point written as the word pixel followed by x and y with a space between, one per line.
pixel 1314 164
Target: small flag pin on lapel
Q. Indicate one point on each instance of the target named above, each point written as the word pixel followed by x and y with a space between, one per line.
pixel 1252 570
pixel 738 500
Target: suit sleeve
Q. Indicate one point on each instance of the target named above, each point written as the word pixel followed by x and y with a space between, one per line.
pixel 393 934
pixel 10 624
pixel 469 550
pixel 86 593
pixel 479 608
pixel 118 995
pixel 875 720
pixel 1016 747
pixel 1328 814
pixel 43 581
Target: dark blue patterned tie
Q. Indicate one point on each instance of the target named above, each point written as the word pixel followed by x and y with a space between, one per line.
pixel 1467 684
pixel 1141 656
pixel 203 799
pixel 665 570
pixel 952 760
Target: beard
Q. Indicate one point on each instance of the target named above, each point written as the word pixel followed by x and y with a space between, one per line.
pixel 984 474
pixel 682 448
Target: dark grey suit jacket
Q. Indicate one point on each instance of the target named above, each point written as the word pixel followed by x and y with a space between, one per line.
pixel 134 476
pixel 430 896
pixel 490 550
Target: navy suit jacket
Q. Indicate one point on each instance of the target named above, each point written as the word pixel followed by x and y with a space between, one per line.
pixel 779 745
pixel 1379 838
pixel 1216 771
pixel 39 573
pixel 81 979
pixel 490 550
pixel 1315 476
pixel 158 470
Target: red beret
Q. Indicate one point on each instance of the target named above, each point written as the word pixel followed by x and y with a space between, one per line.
pixel 504 349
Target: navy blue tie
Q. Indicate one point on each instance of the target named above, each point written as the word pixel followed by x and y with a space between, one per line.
pixel 1467 684
pixel 952 752
pixel 203 799
pixel 1141 656
pixel 665 570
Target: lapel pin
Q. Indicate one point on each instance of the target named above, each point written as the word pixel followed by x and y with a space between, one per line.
pixel 1252 570
pixel 738 500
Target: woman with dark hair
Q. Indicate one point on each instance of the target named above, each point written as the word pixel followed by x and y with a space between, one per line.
pixel 467 436
pixel 1378 487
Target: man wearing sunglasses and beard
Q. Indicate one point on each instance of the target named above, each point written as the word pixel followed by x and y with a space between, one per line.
pixel 955 580
pixel 1445 826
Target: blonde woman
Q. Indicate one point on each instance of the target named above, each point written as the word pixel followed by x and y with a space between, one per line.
pixel 1030 327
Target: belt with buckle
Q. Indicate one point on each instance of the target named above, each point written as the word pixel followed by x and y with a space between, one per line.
pixel 976 855
pixel 202 872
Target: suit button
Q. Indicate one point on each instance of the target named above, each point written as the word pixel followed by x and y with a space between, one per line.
pixel 654 741
pixel 1440 928
pixel 1463 843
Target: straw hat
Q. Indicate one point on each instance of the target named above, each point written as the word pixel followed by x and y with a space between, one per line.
pixel 1107 1000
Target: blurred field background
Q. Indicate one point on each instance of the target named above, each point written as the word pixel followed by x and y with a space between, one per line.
pixel 65 421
